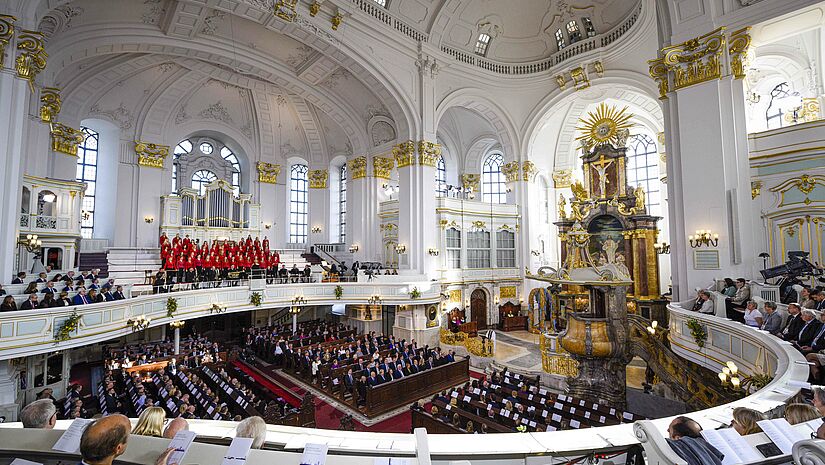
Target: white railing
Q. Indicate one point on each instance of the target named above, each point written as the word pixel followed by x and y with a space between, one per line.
pixel 29 332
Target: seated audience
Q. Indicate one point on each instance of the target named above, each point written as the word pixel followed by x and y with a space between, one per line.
pixel 175 425
pixel 19 278
pixel 252 427
pixel 150 423
pixel 40 414
pixel 729 288
pixel 744 420
pixel 800 413
pixel 30 303
pixel 686 440
pixel 735 305
pixel 752 315
pixel 793 323
pixel 8 304
pixel 772 321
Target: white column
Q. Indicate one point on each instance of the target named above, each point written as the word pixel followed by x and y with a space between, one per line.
pixel 294 322
pixel 416 218
pixel 150 186
pixel 177 341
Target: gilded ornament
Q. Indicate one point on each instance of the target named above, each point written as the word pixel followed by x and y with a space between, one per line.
pixel 740 42
pixel 470 181
pixel 605 126
pixel 6 34
pixel 809 111
pixel 428 153
pixel 479 225
pixel 528 170
pixel 455 295
pixel 382 167
pixel 151 155
pixel 510 171
pixel 404 154
pixel 285 9
pixel 756 189
pixel 31 57
pixel 50 104
pixel 318 179
pixel 579 76
pixel 65 139
pixel 268 172
pixel 658 71
pixel 560 81
pixel 562 178
pixel 314 8
pixel 507 292
pixel 598 67
pixel 336 20
pixel 579 192
pixel 357 167
pixel 697 60
pixel 805 184
pixel 562 207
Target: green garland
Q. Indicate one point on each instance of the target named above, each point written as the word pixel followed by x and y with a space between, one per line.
pixel 255 299
pixel 700 336
pixel 70 325
pixel 339 291
pixel 171 307
pixel 415 293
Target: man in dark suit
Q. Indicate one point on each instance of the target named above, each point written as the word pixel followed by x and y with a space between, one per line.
pixel 118 294
pixel 372 381
pixel 80 298
pixel 108 296
pixel 49 288
pixel 794 322
pixel 30 303
pixel 19 278
pixel 397 374
pixel 809 329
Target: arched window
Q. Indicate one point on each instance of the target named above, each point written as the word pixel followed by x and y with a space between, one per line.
pixel 573 31
pixel 453 242
pixel 494 188
pixel 342 205
pixel 773 115
pixel 87 172
pixel 643 169
pixel 559 39
pixel 298 211
pixel 186 147
pixel 440 178
pixel 227 155
pixel 588 27
pixel 482 43
pixel 202 178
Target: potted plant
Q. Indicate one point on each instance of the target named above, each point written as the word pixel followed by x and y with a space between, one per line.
pixel 339 291
pixel 415 293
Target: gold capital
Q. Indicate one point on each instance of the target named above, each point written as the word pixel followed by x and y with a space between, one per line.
pixel 357 167
pixel 151 155
pixel 382 167
pixel 318 179
pixel 268 172
pixel 6 33
pixel 740 42
pixel 428 153
pixel 65 139
pixel 31 57
pixel 50 104
pixel 404 154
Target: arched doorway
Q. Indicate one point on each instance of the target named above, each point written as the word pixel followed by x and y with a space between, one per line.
pixel 478 308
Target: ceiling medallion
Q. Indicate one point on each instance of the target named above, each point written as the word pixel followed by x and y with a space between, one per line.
pixel 604 126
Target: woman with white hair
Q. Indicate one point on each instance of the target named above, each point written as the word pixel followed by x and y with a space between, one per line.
pixel 252 427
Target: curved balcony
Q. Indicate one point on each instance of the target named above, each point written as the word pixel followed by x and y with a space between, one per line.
pixel 727 340
pixel 30 332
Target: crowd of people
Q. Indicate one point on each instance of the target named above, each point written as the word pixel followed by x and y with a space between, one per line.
pixel 45 292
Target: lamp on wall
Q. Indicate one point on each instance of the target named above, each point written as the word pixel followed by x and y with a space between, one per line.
pixel 84 215
pixel 433 251
pixel 267 225
pixel 703 237
pixel 299 300
pixel 217 309
pixel 353 248
pixel 400 249
pixel 32 243
pixel 535 253
pixel 375 300
pixel 177 324
pixel 662 248
pixel 139 323
pixel 316 230
pixel 149 219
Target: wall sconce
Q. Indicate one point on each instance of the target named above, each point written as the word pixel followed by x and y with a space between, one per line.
pixel 217 309
pixel 535 253
pixel 497 300
pixel 400 249
pixel 267 225
pixel 703 237
pixel 177 324
pixel 149 219
pixel 84 215
pixel 294 310
pixel 375 300
pixel 353 248
pixel 32 243
pixel 654 325
pixel 730 374
pixel 662 249
pixel 316 230
pixel 49 198
pixel 139 323
pixel 299 300
pixel 432 251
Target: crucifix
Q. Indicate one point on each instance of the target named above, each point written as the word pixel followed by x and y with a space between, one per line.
pixel 601 168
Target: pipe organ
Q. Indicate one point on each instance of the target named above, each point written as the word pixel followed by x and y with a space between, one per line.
pixel 218 214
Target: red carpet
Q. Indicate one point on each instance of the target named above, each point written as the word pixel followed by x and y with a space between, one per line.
pixel 477 375
pixel 260 379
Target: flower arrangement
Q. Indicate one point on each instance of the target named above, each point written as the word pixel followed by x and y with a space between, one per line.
pixel 171 307
pixel 415 293
pixel 700 336
pixel 255 299
pixel 756 381
pixel 521 428
pixel 339 291
pixel 70 325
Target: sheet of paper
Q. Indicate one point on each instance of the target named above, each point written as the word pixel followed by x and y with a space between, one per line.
pixel 296 441
pixel 385 444
pixel 181 443
pixel 314 454
pixel 237 451
pixel 70 440
pixel 734 446
pixel 814 424
pixel 781 433
pixel 24 462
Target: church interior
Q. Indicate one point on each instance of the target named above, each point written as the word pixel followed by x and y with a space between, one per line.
pixel 370 231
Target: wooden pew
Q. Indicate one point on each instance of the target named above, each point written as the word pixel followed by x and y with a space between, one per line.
pixel 389 396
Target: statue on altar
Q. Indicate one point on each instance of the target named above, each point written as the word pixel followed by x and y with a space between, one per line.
pixel 609 246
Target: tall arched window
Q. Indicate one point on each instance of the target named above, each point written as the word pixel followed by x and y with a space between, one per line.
pixel 643 169
pixel 87 172
pixel 202 178
pixel 440 178
pixel 573 31
pixel 773 115
pixel 187 147
pixel 298 211
pixel 229 156
pixel 559 39
pixel 494 188
pixel 342 205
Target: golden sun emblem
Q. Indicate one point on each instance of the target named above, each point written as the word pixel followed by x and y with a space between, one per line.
pixel 604 126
